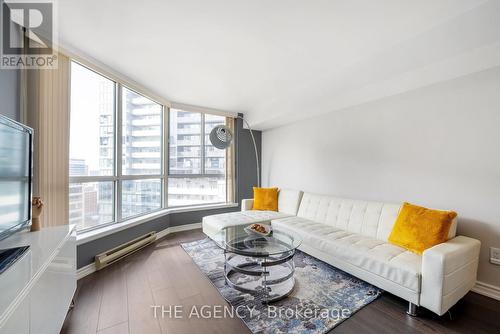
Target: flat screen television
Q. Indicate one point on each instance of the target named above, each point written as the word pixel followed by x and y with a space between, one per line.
pixel 16 147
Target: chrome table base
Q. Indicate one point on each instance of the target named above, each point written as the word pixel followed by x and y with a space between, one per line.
pixel 269 278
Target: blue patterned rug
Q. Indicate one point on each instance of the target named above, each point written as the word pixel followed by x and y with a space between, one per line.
pixel 323 296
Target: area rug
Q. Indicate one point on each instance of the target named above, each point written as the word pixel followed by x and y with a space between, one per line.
pixel 323 296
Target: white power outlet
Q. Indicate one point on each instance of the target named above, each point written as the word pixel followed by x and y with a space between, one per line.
pixel 495 255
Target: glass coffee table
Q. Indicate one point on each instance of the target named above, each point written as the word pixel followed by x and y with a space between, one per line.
pixel 256 264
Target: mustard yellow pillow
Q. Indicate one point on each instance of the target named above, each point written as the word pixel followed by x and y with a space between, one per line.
pixel 418 228
pixel 265 199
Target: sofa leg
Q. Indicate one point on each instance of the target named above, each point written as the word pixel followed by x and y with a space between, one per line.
pixel 412 309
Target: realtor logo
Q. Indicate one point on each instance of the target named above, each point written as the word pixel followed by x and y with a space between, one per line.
pixel 28 35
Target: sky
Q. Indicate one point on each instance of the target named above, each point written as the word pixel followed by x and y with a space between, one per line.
pixel 85 89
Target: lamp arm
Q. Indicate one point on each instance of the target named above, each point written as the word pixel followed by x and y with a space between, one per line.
pixel 255 147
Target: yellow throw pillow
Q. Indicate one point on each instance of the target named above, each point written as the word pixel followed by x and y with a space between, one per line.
pixel 265 199
pixel 418 228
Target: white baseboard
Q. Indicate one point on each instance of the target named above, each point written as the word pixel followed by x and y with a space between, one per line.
pixel 90 268
pixel 179 228
pixel 487 290
pixel 84 271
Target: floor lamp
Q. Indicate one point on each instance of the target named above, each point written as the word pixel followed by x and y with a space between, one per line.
pixel 221 137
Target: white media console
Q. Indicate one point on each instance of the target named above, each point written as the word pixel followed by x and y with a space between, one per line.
pixel 36 291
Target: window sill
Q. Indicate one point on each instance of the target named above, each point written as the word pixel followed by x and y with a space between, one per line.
pixel 97 233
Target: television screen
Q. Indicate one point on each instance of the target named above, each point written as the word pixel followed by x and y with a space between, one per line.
pixel 15 176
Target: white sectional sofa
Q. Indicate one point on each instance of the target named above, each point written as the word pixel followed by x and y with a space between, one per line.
pixel 352 236
pixel 288 204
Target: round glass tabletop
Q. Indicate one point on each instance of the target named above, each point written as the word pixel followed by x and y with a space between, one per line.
pixel 239 240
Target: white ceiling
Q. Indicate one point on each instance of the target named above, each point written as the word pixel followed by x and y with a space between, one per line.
pixel 279 61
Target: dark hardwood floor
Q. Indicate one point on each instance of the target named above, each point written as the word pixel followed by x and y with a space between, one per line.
pixel 118 299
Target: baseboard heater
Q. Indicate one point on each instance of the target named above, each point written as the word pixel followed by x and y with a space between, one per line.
pixel 116 254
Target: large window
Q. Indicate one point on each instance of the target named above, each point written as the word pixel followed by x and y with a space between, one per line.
pixel 92 148
pixel 116 142
pixel 118 154
pixel 141 157
pixel 197 170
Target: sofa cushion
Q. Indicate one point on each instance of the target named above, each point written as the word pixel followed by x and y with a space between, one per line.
pixel 373 219
pixel 289 201
pixel 376 256
pixel 418 228
pixel 214 223
pixel 265 199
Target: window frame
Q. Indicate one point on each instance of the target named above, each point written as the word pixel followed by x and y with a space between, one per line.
pixel 117 178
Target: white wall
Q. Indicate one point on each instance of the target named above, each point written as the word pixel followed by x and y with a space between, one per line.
pixel 437 146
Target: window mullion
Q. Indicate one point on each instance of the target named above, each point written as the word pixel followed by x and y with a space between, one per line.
pixel 119 155
pixel 165 151
pixel 97 178
pixel 141 177
pixel 202 144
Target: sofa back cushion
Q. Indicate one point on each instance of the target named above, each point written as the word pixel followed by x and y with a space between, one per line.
pixel 289 201
pixel 373 219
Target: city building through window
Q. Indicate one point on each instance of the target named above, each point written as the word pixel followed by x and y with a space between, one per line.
pixel 197 171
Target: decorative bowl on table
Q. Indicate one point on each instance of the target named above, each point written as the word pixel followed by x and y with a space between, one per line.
pixel 259 229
